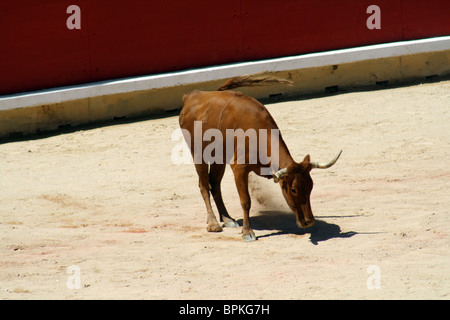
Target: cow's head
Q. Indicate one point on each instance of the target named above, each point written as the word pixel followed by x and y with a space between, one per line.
pixel 296 186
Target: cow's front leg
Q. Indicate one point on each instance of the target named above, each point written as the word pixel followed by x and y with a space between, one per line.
pixel 216 172
pixel 241 179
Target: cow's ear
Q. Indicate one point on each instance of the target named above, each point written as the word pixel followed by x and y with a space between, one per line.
pixel 306 163
pixel 307 159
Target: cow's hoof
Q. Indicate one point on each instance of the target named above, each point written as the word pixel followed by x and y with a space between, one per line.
pixel 249 237
pixel 231 224
pixel 214 228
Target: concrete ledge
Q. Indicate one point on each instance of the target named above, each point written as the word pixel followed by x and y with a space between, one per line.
pixel 28 113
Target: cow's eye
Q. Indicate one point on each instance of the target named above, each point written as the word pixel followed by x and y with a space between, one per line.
pixel 294 191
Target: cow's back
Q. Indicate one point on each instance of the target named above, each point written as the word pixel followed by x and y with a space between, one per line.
pixel 224 110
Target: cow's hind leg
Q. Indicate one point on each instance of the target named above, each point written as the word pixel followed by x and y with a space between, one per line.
pixel 203 183
pixel 216 172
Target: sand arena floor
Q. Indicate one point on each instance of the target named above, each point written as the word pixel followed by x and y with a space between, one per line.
pixel 106 206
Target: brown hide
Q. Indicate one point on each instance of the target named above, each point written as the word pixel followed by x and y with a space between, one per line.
pixel 220 112
pixel 224 110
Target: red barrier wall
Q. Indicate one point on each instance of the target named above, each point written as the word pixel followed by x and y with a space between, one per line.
pixel 137 37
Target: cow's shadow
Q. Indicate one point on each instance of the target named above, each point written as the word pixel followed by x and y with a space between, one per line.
pixel 281 222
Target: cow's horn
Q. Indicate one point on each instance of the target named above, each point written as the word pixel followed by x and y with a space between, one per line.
pixel 279 174
pixel 316 165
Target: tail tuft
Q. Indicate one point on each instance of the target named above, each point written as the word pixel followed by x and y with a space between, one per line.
pixel 252 81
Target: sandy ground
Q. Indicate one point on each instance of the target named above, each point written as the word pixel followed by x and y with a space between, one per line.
pixel 108 207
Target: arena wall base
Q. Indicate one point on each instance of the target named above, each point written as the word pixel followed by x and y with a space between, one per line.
pixel 327 72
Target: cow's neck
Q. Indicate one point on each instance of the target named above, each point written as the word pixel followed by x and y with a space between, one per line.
pixel 285 158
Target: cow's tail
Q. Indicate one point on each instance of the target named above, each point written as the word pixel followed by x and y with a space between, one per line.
pixel 252 81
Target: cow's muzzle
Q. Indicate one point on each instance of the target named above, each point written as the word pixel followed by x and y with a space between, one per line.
pixel 305 217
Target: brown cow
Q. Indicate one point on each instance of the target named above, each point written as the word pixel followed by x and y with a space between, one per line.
pixel 232 118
